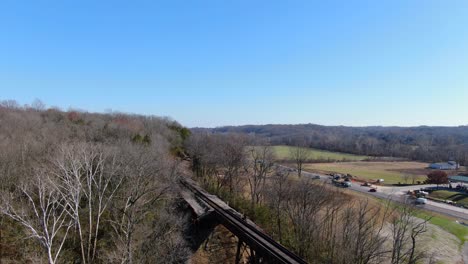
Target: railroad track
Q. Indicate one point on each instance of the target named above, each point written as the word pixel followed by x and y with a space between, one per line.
pixel 264 245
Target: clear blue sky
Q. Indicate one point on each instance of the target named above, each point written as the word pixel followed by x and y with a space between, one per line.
pixel 212 63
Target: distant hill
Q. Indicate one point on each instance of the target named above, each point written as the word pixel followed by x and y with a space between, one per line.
pixel 425 143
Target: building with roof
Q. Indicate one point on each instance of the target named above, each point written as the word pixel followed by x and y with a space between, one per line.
pixel 459 178
pixel 450 165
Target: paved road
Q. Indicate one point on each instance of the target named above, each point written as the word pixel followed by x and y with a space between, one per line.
pixel 398 194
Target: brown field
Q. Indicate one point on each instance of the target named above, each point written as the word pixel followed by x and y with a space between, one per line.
pixel 391 172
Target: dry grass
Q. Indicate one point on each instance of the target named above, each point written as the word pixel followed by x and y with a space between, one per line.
pixel 391 172
pixel 284 153
pixel 447 245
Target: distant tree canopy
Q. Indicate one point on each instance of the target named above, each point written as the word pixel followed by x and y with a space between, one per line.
pixel 423 143
pixel 437 177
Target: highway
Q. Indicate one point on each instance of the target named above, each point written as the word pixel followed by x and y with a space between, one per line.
pixel 397 194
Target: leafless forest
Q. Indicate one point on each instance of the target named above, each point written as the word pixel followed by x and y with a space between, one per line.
pixel 318 222
pixel 78 187
pixel 424 143
pixel 88 188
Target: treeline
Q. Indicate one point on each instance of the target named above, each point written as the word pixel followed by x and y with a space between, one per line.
pixel 315 220
pixel 422 143
pixel 78 187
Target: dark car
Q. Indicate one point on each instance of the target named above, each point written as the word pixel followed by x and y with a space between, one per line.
pixel 373 190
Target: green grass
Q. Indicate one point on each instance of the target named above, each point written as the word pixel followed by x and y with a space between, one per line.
pixel 366 170
pixel 459 198
pixel 284 153
pixel 447 224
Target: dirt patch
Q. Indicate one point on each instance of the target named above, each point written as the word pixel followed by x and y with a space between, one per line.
pixel 391 172
pixel 465 253
pixel 417 171
pixel 420 171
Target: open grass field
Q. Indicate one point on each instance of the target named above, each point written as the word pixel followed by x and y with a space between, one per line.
pixel 391 172
pixel 459 198
pixel 284 153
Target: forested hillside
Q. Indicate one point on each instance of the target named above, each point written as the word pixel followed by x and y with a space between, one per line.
pixel 418 143
pixel 79 187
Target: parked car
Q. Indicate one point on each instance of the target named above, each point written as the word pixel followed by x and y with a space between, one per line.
pixel 346 184
pixel 420 200
pixel 423 193
pixel 373 190
pixel 317 177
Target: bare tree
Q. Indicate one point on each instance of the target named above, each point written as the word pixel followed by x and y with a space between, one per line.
pixel 11 104
pixel 84 180
pixel 329 232
pixel 277 194
pixel 147 181
pixel 198 148
pixel 259 165
pixel 165 243
pixel 405 177
pixel 40 208
pixel 327 227
pixel 232 159
pixel 406 228
pixel 86 172
pixel 300 154
pixel 414 177
pixel 38 105
pixel 206 155
pixel 363 233
pixel 302 207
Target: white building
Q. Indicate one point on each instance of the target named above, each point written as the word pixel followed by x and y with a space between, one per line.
pixel 450 165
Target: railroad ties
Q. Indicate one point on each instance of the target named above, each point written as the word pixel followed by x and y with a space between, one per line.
pixel 263 249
